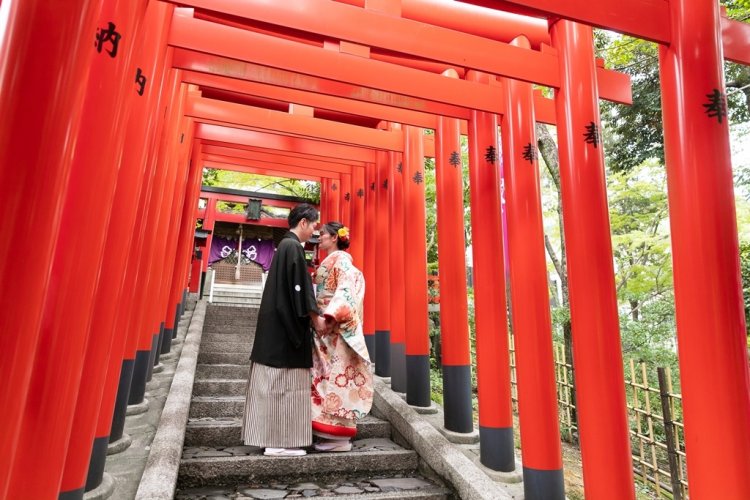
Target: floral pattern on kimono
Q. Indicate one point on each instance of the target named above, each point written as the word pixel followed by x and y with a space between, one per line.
pixel 342 385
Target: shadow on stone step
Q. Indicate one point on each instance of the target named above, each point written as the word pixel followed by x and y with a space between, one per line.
pixel 361 487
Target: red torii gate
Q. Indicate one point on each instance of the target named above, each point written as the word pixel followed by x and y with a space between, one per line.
pixel 708 296
pixel 278 52
pixel 606 457
pixel 457 348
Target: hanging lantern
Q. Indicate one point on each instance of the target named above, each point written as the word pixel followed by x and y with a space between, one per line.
pixel 253 209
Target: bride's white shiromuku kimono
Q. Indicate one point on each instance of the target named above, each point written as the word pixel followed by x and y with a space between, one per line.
pixel 342 386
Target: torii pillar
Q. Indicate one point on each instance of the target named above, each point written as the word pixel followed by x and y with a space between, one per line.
pixel 708 293
pixel 497 450
pixel 597 354
pixel 532 325
pixel 415 274
pixel 396 243
pixel 36 73
pixel 454 326
pixel 370 249
pixel 382 269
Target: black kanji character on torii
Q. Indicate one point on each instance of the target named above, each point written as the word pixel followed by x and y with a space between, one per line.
pixel 140 80
pixel 455 159
pixel 529 153
pixel 490 155
pixel 108 34
pixel 592 135
pixel 361 192
pixel 399 167
pixel 385 184
pixel 418 177
pixel 717 105
pixel 334 187
pixel 372 187
pixel 347 197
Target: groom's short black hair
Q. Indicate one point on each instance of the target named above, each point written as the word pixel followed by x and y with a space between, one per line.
pixel 302 211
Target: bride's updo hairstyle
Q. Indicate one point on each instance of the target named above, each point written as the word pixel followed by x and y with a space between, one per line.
pixel 338 229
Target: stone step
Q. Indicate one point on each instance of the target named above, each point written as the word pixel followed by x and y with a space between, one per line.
pixel 239 464
pixel 245 329
pixel 236 301
pixel 237 304
pixel 225 431
pixel 238 321
pixel 244 326
pixel 243 347
pixel 223 322
pixel 223 309
pixel 216 319
pixel 228 313
pixel 219 387
pixel 227 286
pixel 245 314
pixel 222 371
pixel 216 407
pixel 250 294
pixel 246 337
pixel 224 358
pixel 346 488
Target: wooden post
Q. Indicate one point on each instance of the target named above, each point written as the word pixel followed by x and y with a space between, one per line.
pixel 666 411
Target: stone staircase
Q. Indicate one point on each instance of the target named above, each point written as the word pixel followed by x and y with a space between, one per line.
pixel 215 464
pixel 236 295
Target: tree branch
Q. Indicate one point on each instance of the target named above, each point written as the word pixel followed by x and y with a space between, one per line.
pixel 553 256
pixel 548 150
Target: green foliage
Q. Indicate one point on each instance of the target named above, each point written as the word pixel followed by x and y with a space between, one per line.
pixel 737 9
pixel 230 207
pixel 651 338
pixel 431 211
pixel 641 249
pixel 303 189
pixel 640 241
pixel 261 183
pixel 745 270
pixel 633 134
pixel 210 176
pixel 436 385
pixel 560 317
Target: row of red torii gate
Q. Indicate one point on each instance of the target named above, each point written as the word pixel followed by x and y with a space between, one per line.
pixel 113 107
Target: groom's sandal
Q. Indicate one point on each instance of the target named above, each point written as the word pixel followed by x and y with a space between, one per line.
pixel 284 452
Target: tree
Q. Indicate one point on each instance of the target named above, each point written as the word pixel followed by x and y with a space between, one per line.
pixel 640 246
pixel 640 241
pixel 560 315
pixel 633 134
pixel 261 183
pixel 745 269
